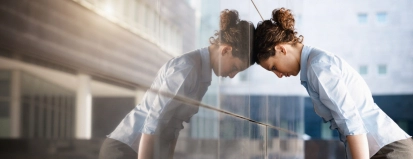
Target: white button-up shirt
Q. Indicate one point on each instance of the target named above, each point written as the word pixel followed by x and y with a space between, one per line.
pixel 188 76
pixel 341 96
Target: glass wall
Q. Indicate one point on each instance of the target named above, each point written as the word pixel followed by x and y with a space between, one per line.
pixel 75 72
pixel 5 78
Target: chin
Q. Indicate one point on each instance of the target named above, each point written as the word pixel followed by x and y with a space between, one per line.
pixel 215 72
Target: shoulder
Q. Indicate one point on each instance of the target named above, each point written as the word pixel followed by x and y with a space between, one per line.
pixel 184 67
pixel 189 59
pixel 322 62
pixel 317 56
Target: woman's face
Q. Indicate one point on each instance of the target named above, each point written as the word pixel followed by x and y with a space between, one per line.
pixel 228 65
pixel 282 63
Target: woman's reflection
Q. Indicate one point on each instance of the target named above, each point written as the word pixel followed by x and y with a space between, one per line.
pixel 151 129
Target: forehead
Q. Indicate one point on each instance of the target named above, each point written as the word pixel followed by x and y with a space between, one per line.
pixel 241 64
pixel 267 63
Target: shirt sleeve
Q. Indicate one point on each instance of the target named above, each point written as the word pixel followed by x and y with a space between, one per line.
pixel 177 80
pixel 326 81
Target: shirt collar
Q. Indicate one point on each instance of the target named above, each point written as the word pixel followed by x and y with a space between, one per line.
pixel 206 65
pixel 303 63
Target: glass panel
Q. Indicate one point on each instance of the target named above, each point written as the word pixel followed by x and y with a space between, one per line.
pixel 382 69
pixel 249 114
pixel 4 83
pixel 199 138
pixel 4 109
pixel 91 1
pixel 238 140
pixel 363 70
pixel 326 133
pixel 43 108
pixel 362 18
pixel 5 127
pixel 5 77
pixel 381 17
pixel 404 125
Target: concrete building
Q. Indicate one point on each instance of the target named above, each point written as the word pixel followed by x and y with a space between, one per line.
pixel 66 66
pixel 375 38
pixel 70 70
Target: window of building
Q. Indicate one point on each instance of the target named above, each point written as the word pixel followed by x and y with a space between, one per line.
pixel 138 18
pixel 381 17
pixel 362 18
pixel 126 8
pixel 4 103
pixel 167 35
pixel 403 124
pixel 382 69
pixel 141 11
pixel 162 32
pixel 363 70
pixel 157 18
pixel 90 1
pixel 150 20
pixel 119 8
pixel 48 112
pixel 326 133
pixel 174 40
pixel 107 6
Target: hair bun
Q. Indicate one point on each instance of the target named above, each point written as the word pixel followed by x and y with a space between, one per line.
pixel 283 18
pixel 229 18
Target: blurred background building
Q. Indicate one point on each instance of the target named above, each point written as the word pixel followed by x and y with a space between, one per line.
pixel 70 70
pixel 374 37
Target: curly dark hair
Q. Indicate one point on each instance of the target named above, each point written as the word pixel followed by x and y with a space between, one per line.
pixel 269 33
pixel 237 33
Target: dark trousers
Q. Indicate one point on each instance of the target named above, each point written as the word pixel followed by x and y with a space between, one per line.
pixel 402 149
pixel 114 149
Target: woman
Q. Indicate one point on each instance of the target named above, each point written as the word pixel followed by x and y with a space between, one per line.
pixel 151 129
pixel 339 94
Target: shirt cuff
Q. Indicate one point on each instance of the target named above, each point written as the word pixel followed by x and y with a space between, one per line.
pixel 149 127
pixel 352 127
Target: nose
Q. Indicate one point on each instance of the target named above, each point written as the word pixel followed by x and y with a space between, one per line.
pixel 279 74
pixel 232 75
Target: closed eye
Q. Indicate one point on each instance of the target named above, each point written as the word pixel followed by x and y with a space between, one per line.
pixel 234 68
pixel 273 68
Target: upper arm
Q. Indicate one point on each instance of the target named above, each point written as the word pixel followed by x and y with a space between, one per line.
pixel 177 81
pixel 327 81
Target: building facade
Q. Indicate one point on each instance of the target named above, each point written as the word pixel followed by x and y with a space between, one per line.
pixel 70 70
pixel 374 37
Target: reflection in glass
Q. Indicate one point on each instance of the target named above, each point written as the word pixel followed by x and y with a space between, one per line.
pixel 71 66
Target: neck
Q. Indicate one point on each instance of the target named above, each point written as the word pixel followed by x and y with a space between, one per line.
pixel 297 49
pixel 213 54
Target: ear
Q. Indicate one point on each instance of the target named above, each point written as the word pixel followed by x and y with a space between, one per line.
pixel 280 49
pixel 226 50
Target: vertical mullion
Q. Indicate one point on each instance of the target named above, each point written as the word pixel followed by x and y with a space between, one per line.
pixel 56 117
pixel 69 127
pixel 266 142
pixel 31 115
pixel 49 116
pixel 40 117
pixel 62 116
